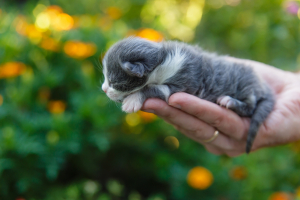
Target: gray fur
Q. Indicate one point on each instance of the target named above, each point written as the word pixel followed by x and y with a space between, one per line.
pixel 131 65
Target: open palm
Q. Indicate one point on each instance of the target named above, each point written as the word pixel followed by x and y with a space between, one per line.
pixel 198 119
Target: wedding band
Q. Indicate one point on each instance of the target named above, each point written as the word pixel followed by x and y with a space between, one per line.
pixel 212 138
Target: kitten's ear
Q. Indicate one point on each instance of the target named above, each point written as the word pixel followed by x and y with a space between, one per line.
pixel 134 69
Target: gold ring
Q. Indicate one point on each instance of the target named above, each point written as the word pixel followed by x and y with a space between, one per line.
pixel 212 138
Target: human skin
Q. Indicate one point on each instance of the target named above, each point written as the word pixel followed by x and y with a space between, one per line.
pixel 198 119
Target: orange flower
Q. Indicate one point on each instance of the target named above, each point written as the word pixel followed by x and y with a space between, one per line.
pixel 147 117
pixel 238 173
pixel 79 50
pixel 21 24
pixel 56 107
pixel 54 9
pixel 114 12
pixel 54 17
pixel 33 33
pixel 280 196
pixel 199 178
pixel 12 69
pixel 63 21
pixel 150 34
pixel 50 44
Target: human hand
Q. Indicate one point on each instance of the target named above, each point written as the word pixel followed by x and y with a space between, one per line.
pixel 198 119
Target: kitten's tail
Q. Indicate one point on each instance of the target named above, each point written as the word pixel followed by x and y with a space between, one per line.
pixel 261 112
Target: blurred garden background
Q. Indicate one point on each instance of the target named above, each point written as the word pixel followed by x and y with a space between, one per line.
pixel 62 138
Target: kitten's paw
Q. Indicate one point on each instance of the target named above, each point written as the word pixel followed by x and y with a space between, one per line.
pixel 132 103
pixel 226 101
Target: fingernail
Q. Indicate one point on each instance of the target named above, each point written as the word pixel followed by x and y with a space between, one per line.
pixel 148 111
pixel 176 106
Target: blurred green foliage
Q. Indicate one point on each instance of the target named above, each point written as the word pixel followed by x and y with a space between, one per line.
pixel 61 137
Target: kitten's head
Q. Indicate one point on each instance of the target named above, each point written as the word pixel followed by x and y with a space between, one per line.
pixel 127 65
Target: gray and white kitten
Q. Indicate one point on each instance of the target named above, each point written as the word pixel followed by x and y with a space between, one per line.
pixel 136 69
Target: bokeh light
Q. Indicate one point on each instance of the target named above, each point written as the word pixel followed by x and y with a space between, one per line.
pixel 52 137
pixel 199 178
pixel 172 142
pixel 150 34
pixel 43 21
pixel 114 12
pixel 79 50
pixel 132 119
pixel 179 18
pixel 298 192
pixel 12 69
pixel 50 44
pixel 56 107
pixel 280 196
pixel 147 117
pixel 63 22
pixel 238 173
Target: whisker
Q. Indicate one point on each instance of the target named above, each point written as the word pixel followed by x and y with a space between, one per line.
pixel 98 65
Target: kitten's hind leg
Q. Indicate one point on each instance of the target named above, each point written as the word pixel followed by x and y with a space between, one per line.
pixel 239 107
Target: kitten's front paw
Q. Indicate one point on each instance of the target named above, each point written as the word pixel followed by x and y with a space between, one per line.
pixel 225 101
pixel 132 103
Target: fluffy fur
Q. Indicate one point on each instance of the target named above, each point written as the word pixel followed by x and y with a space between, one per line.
pixel 136 69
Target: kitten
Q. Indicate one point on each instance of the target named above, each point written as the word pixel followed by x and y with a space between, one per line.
pixel 136 69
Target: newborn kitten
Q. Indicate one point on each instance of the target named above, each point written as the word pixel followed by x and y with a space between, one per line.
pixel 136 69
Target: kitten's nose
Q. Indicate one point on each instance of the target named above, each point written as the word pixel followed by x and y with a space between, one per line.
pixel 104 88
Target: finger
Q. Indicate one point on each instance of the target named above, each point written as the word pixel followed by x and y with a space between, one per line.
pixel 222 142
pixel 222 119
pixel 217 151
pixel 197 129
pixel 213 150
pixel 191 126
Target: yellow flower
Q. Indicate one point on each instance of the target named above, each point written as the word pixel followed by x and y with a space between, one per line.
pixel 114 12
pixel 56 107
pixel 55 18
pixel 50 44
pixel 12 69
pixel 200 178
pixel 172 142
pixel 80 50
pixel 147 117
pixel 132 119
pixel 298 192
pixel 150 34
pixel 238 173
pixel 280 196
